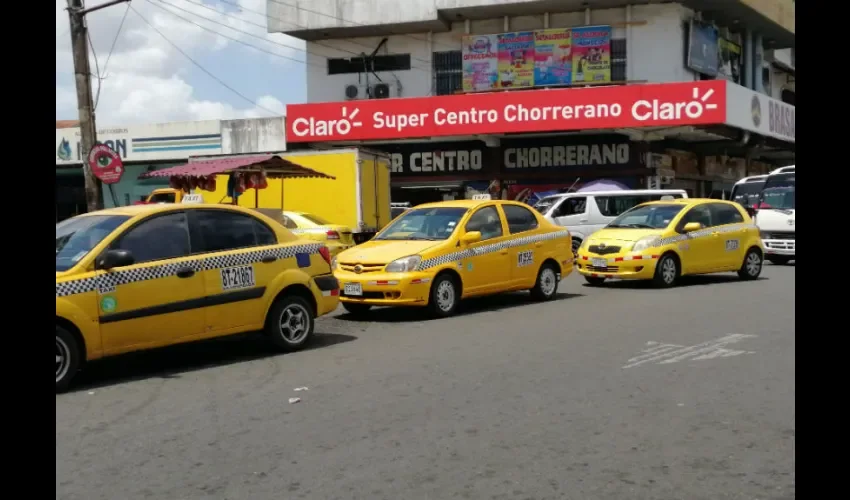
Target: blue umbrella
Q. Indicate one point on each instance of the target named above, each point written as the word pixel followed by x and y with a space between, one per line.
pixel 603 185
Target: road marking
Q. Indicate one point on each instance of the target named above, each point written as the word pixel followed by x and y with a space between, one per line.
pixel 663 354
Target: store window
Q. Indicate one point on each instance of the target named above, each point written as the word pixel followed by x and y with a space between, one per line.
pixel 520 219
pixel 352 65
pixel 448 72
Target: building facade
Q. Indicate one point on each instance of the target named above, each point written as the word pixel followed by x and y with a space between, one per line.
pixel 152 147
pixel 365 54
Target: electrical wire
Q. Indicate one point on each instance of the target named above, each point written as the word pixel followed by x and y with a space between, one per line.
pixel 201 67
pixel 109 55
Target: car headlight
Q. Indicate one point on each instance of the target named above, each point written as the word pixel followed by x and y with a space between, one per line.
pixel 404 264
pixel 333 264
pixel 645 242
pixel 764 235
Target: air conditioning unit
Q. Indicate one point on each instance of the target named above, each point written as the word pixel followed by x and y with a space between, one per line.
pixel 353 92
pixel 380 91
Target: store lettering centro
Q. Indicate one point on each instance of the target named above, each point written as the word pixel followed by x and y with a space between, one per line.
pixel 437 161
pixel 567 156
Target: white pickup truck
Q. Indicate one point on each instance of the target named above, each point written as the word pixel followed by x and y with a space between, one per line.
pixel 771 199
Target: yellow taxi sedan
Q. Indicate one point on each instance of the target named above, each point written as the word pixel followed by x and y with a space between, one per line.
pixel 663 240
pixel 436 254
pixel 310 226
pixel 146 276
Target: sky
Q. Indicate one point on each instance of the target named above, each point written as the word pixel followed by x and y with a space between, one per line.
pixel 146 80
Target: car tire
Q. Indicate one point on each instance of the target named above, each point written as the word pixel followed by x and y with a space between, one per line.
pixel 752 266
pixel 779 260
pixel 594 281
pixel 444 297
pixel 666 271
pixel 290 323
pixel 356 309
pixel 68 358
pixel 546 286
pixel 576 244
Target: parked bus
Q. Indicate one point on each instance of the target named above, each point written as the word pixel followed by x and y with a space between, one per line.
pixel 771 199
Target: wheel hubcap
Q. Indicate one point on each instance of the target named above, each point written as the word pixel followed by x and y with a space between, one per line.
pixel 294 323
pixel 548 281
pixel 753 264
pixel 63 359
pixel 668 270
pixel 445 296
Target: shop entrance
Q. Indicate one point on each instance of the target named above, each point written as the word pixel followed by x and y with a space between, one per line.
pixel 70 193
pixel 419 194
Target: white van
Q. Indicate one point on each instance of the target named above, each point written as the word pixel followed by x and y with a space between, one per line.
pixel 771 201
pixel 586 213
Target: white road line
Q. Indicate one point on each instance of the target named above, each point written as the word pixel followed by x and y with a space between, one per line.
pixel 674 353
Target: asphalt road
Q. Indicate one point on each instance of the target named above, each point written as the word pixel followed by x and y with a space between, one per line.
pixel 621 392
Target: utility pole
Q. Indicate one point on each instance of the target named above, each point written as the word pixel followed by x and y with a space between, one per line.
pixel 82 75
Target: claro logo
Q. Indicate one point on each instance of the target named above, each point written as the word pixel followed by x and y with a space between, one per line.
pixel 658 109
pixel 321 128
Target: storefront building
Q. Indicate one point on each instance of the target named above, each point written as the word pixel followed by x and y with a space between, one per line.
pixel 703 96
pixel 153 147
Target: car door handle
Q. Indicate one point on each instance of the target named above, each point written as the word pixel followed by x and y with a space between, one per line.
pixel 582 220
pixel 503 252
pixel 185 272
pixel 268 259
pixel 538 244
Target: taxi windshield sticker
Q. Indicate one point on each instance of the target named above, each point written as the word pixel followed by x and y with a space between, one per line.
pixel 237 277
pixel 525 258
pixel 731 245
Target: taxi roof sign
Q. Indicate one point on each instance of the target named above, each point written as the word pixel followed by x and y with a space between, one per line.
pixel 484 196
pixel 192 198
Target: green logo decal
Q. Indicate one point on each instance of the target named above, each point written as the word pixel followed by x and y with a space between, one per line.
pixel 108 304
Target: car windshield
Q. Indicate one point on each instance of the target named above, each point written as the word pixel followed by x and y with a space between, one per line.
pixel 76 237
pixel 780 192
pixel 430 224
pixel 315 219
pixel 545 204
pixel 747 193
pixel 655 216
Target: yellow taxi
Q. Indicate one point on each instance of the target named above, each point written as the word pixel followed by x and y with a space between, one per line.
pixel 145 276
pixel 435 254
pixel 312 227
pixel 662 240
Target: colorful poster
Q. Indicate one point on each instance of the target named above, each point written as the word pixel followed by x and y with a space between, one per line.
pixel 480 63
pixel 516 59
pixel 591 49
pixel 552 58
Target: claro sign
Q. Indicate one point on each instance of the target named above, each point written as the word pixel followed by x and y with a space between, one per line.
pixel 667 104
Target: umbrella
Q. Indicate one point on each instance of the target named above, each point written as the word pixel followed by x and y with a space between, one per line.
pixel 603 185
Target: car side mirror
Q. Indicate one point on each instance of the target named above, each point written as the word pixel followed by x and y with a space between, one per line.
pixel 115 258
pixel 691 227
pixel 471 237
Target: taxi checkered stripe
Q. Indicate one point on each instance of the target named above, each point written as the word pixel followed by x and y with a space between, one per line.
pixel 113 279
pixel 485 249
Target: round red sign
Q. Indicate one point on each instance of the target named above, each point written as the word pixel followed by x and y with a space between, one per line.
pixel 106 164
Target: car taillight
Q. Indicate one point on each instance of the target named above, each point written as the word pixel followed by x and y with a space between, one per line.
pixel 325 253
pixel 333 235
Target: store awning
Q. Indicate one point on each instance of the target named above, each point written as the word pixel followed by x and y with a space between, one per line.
pixel 273 165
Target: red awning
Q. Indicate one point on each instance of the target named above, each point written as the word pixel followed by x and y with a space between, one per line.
pixel 273 165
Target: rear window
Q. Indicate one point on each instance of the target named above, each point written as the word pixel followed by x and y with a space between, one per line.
pixel 613 206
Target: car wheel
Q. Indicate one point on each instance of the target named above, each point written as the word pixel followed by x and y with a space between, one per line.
pixel 68 357
pixel 444 297
pixel 594 281
pixel 779 260
pixel 576 244
pixel 753 263
pixel 666 272
pixel 546 286
pixel 290 323
pixel 356 309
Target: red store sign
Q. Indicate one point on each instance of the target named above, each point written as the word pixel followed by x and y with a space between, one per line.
pixel 629 106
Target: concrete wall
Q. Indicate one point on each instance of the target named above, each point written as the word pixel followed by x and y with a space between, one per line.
pixel 656 49
pixel 256 135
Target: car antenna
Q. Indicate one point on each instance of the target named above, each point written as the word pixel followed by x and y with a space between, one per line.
pixel 573 184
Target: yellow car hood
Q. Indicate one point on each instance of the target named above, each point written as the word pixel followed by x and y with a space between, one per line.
pixel 385 251
pixel 624 235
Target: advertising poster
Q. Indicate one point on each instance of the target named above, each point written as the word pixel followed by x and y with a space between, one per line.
pixel 480 63
pixel 552 58
pixel 703 50
pixel 729 55
pixel 591 50
pixel 516 59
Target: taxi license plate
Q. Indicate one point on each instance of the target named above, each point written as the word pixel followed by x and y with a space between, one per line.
pixel 352 289
pixel 600 262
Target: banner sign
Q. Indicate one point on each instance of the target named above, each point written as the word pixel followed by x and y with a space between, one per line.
pixel 568 153
pixel 591 49
pixel 516 60
pixel 480 63
pixel 437 159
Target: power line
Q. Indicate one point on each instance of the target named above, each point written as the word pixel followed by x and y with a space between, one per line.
pixel 200 67
pixel 108 57
pixel 291 47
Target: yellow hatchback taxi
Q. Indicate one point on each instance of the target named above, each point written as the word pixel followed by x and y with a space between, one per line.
pixel 145 276
pixel 435 254
pixel 663 240
pixel 312 227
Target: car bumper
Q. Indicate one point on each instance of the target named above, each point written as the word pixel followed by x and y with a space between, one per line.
pixel 386 289
pixel 625 266
pixel 326 292
pixel 780 247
